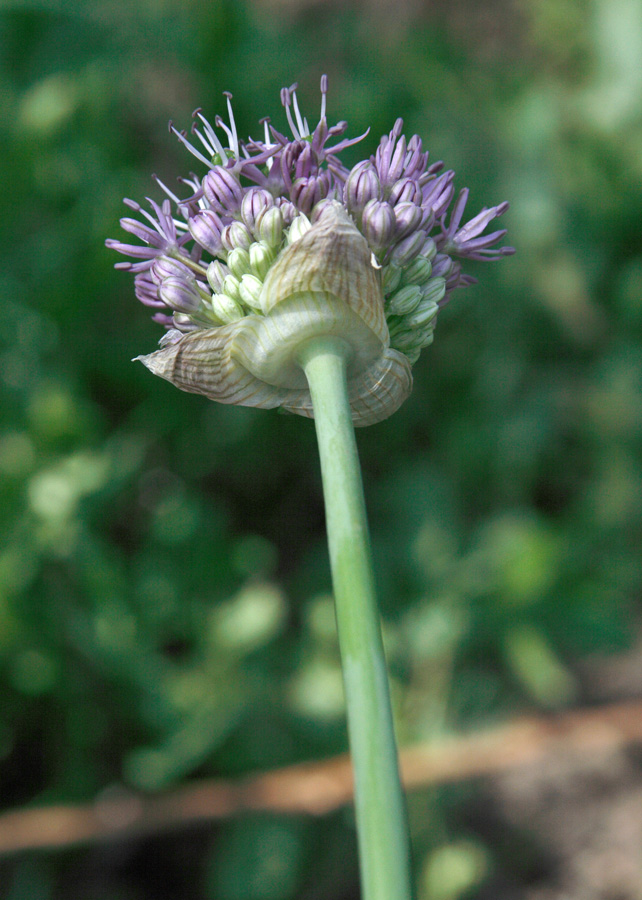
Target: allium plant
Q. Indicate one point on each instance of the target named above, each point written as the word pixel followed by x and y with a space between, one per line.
pixel 285 279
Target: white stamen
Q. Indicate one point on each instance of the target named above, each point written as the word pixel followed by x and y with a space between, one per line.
pixel 234 143
pixel 303 125
pixel 216 146
pixel 324 91
pixel 293 127
pixel 169 193
pixel 190 147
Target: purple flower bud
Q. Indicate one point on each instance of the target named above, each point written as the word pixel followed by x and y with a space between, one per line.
pixel 437 193
pixel 408 218
pixel 180 294
pixel 442 265
pixel 378 224
pixel 298 161
pixel 320 207
pixel 183 322
pixel 236 235
pixel 206 228
pixel 147 291
pixel 255 201
pixel 223 190
pixel 362 185
pixel 390 155
pixel 288 211
pixel 307 192
pixel 408 249
pixel 406 190
pixel 164 267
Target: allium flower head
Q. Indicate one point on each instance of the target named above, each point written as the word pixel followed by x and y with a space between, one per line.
pixel 278 242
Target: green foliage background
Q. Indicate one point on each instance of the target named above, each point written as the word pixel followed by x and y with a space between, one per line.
pixel 164 585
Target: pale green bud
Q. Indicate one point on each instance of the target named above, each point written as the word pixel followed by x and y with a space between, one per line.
pixel 231 288
pixel 298 228
pixel 238 262
pixel 250 290
pixel 261 258
pixel 216 273
pixel 404 300
pixel 391 275
pixel 269 226
pixel 435 290
pixel 226 309
pixel 418 272
pixel 425 312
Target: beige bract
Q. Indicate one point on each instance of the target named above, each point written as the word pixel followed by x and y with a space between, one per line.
pixel 325 284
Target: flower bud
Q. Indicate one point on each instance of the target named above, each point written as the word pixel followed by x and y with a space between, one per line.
pixel 418 272
pixel 435 290
pixel 409 248
pixel 442 265
pixel 298 228
pixel 216 275
pixel 378 224
pixel 184 322
pixel 231 288
pixel 226 309
pixel 425 312
pixel 238 262
pixel 236 235
pixel 164 267
pixel 250 290
pixel 404 300
pixel 406 190
pixel 180 294
pixel 429 249
pixel 408 218
pixel 261 258
pixel 288 211
pixel 362 185
pixel 255 201
pixel 269 226
pixel 391 275
pixel 222 189
pixel 206 227
pixel 306 192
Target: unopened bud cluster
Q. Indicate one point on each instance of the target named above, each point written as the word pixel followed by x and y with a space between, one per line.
pixel 204 259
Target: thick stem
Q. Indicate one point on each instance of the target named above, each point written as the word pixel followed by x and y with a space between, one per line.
pixel 381 817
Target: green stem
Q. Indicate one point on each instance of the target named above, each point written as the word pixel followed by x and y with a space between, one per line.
pixel 381 817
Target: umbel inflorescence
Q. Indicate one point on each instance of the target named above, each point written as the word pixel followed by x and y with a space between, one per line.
pixel 279 243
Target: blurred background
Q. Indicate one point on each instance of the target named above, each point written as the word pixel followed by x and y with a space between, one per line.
pixel 165 609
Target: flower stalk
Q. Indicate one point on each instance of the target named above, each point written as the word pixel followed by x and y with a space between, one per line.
pixel 381 818
pixel 285 279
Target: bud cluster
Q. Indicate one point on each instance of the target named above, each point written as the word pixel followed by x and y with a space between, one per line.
pixel 204 264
